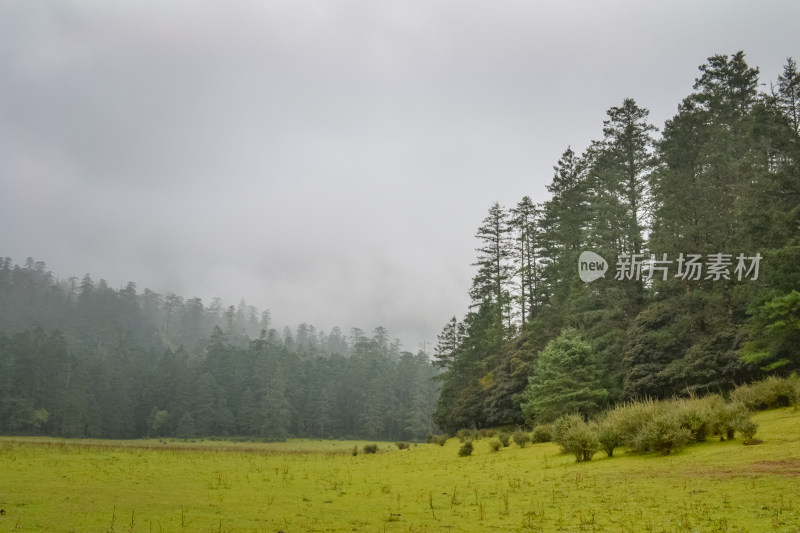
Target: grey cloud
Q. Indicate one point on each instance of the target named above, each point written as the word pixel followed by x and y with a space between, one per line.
pixel 329 161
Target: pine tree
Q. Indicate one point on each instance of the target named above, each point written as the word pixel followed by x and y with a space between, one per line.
pixel 623 162
pixel 491 282
pixel 707 159
pixel 712 165
pixel 526 233
pixel 449 342
pixel 469 374
pixel 567 380
pixel 789 94
pixel 565 219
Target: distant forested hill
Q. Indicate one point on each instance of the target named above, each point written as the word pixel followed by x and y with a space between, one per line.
pixel 691 286
pixel 80 359
pixel 698 226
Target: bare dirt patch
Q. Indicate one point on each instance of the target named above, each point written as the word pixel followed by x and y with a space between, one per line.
pixel 786 467
pixel 783 467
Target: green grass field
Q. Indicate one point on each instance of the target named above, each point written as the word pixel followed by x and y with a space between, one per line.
pixel 297 486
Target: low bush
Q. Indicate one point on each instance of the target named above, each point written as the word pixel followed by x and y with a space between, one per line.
pixel 795 390
pixel 726 417
pixel 747 428
pixel 521 438
pixel 370 448
pixel 575 436
pixel 542 433
pixel 608 435
pixel 769 393
pixel 711 415
pixel 505 439
pixel 440 439
pixel 465 449
pixel 467 434
pixel 694 416
pixel 495 445
pixel 562 424
pixel 664 434
pixel 631 418
pixel 402 445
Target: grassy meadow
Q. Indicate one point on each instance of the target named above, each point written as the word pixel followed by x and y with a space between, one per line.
pixel 298 486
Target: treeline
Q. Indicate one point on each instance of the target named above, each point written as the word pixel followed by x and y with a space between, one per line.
pixel 80 359
pixel 698 229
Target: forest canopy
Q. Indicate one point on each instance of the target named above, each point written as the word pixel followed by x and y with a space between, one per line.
pixel 80 359
pixel 695 229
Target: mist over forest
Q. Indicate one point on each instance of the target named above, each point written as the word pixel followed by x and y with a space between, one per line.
pixel 698 222
pixel 80 359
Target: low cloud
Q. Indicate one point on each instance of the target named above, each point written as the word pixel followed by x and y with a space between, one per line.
pixel 328 161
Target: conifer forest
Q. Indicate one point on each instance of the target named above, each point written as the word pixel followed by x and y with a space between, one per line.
pixel 690 287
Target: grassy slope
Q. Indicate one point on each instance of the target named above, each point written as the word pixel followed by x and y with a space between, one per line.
pixel 49 485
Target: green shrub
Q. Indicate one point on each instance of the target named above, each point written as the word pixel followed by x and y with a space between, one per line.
pixel 521 438
pixel 795 391
pixel 440 439
pixel 354 451
pixel 542 433
pixel 631 418
pixel 402 445
pixel 487 433
pixel 575 436
pixel 495 445
pixel 467 434
pixel 726 417
pixel 748 396
pixel 505 439
pixel 562 424
pixel 747 428
pixel 768 393
pixel 608 435
pixel 663 434
pixel 370 448
pixel 659 426
pixel 696 415
pixel 466 449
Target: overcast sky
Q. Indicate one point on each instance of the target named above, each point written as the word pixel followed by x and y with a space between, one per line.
pixel 327 160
